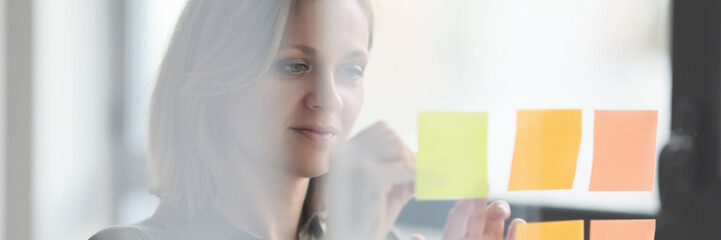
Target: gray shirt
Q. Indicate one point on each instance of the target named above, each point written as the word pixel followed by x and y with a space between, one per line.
pixel 169 223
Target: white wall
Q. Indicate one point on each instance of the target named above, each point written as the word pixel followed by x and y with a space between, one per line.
pixel 150 25
pixel 71 173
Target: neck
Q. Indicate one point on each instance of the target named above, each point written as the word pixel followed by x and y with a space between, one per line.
pixel 264 201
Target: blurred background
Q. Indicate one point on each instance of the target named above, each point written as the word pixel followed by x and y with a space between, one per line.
pixel 77 76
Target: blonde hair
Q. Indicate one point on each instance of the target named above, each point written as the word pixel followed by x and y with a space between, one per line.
pixel 219 46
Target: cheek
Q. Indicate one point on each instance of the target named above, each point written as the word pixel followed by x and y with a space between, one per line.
pixel 353 103
pixel 244 121
pixel 258 117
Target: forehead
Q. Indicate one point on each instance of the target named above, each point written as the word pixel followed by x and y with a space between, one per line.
pixel 331 25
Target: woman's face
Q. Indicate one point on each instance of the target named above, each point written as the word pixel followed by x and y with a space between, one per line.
pixel 309 99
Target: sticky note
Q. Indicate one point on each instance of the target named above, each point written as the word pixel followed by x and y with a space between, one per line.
pixel 451 158
pixel 546 151
pixel 558 230
pixel 643 229
pixel 624 150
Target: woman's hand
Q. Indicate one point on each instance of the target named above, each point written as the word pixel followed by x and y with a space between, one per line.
pixel 371 180
pixel 472 219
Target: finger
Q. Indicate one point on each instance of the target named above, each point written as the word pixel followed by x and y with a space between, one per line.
pixel 377 129
pixel 410 156
pixel 457 220
pixel 381 141
pixel 398 197
pixel 417 237
pixel 477 221
pixel 394 173
pixel 512 228
pixel 496 216
pixel 394 149
pixel 390 149
pixel 378 150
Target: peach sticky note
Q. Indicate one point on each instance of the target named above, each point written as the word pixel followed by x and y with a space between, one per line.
pixel 558 230
pixel 451 159
pixel 547 145
pixel 624 150
pixel 643 229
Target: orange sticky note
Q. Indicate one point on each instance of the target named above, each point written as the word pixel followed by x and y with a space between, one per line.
pixel 624 150
pixel 547 145
pixel 558 230
pixel 643 229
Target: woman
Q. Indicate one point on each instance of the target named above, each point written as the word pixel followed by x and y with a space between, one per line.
pixel 254 101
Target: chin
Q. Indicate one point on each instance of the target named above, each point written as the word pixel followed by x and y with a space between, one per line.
pixel 310 166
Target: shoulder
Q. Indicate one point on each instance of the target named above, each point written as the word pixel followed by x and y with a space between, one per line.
pixel 149 229
pixel 121 232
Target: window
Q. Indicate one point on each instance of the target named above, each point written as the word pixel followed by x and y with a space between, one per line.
pixel 467 55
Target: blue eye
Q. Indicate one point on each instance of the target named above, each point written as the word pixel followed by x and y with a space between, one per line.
pixel 294 68
pixel 351 72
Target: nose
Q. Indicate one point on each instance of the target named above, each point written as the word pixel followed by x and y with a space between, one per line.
pixel 323 95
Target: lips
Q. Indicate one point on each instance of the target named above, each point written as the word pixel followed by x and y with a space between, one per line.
pixel 316 133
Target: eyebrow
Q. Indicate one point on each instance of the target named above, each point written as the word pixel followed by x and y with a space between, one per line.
pixel 305 49
pixel 311 51
pixel 355 54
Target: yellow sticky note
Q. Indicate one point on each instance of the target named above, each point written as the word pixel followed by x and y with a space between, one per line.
pixel 451 160
pixel 558 230
pixel 624 150
pixel 632 229
pixel 547 145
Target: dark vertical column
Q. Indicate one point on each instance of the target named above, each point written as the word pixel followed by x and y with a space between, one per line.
pixel 689 169
pixel 696 63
